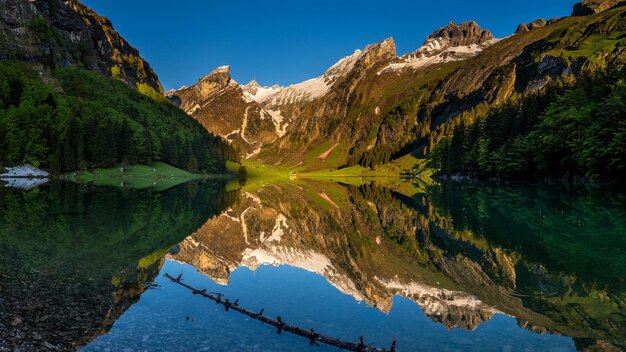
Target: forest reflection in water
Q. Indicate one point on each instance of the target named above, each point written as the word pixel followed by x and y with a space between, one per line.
pixel 457 267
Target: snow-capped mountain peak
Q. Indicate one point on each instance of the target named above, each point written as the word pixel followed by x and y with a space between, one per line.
pixel 454 42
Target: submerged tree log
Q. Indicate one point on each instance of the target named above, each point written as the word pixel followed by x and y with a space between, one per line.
pixel 311 335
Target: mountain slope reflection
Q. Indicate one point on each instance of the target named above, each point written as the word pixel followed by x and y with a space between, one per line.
pixel 374 244
pixel 74 258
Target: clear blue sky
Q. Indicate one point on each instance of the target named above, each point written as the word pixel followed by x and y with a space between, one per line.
pixel 288 41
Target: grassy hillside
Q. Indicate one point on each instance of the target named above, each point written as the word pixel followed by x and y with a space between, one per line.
pixel 76 119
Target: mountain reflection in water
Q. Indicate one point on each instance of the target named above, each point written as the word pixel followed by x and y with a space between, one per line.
pixel 457 267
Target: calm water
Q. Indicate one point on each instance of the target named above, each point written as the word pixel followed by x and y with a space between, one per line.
pixel 453 267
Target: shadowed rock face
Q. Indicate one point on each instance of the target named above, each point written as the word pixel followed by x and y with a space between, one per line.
pixel 589 7
pixel 62 33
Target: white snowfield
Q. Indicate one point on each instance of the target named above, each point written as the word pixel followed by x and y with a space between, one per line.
pixel 436 51
pixel 434 300
pixel 24 171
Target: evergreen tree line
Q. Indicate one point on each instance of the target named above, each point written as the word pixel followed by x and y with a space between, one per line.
pixel 80 120
pixel 574 128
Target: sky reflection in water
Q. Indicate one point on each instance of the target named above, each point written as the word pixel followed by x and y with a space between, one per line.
pixel 159 319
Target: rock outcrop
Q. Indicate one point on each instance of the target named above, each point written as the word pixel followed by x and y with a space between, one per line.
pixel 220 105
pixel 526 27
pixel 63 33
pixel 589 7
pixel 454 42
pixel 463 34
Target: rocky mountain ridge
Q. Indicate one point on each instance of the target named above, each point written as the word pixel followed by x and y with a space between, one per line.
pixel 242 113
pixel 454 42
pixel 373 106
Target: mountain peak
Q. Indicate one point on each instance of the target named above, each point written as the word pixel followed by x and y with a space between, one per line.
pixel 454 42
pixel 221 70
pixel 387 43
pixel 525 27
pixel 220 75
pixel 215 81
pixel 317 87
pixel 385 49
pixel 252 87
pixel 462 34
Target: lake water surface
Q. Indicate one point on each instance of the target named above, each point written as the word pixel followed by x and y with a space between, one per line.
pixel 452 267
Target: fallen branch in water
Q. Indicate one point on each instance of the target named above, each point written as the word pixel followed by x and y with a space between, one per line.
pixel 311 335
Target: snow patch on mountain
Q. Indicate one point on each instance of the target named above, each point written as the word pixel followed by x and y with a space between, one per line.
pixel 222 69
pixel 275 95
pixel 194 109
pixel 254 92
pixel 304 91
pixel 279 229
pixel 433 300
pixel 434 52
pixel 279 255
pixel 277 118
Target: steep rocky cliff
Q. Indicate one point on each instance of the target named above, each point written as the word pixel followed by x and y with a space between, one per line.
pixel 220 104
pixel 62 33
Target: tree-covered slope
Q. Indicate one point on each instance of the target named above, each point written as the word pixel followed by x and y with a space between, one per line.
pixel 77 119
pixel 517 67
pixel 570 129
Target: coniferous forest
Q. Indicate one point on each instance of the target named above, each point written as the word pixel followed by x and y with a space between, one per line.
pixel 571 129
pixel 77 119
